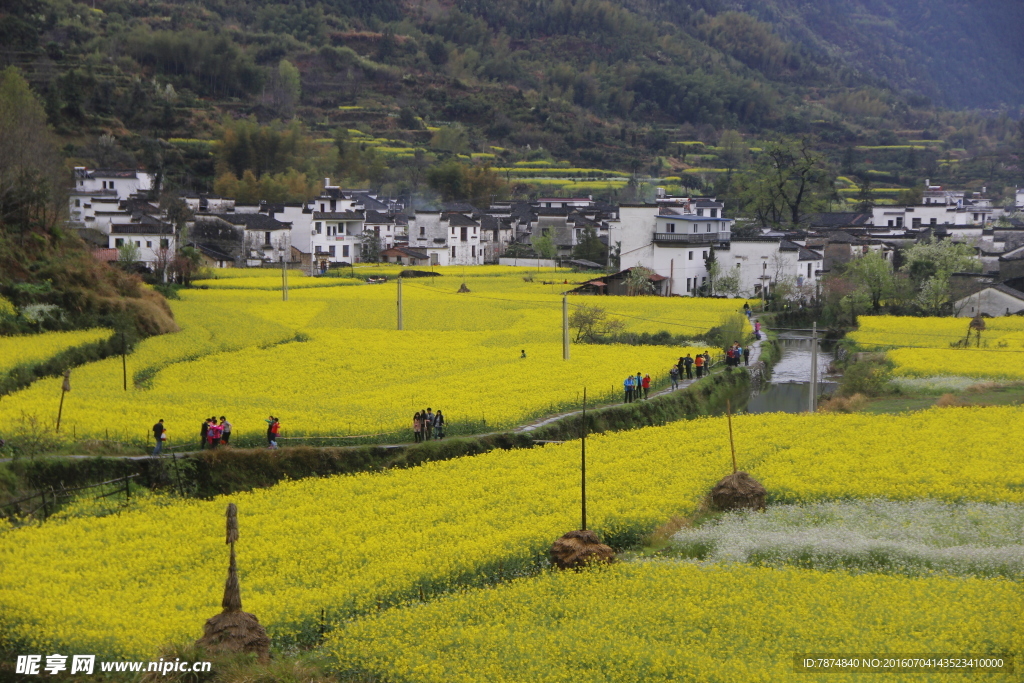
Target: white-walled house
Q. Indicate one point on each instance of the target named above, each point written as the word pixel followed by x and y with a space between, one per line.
pixel 96 210
pixel 449 239
pixel 338 235
pixel 672 239
pixel 764 261
pixel 994 301
pixel 248 239
pixel 154 239
pixel 123 183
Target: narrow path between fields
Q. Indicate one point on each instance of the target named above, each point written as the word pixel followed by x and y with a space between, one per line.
pixel 755 357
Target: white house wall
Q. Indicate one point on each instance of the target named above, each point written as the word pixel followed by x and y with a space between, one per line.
pixel 990 302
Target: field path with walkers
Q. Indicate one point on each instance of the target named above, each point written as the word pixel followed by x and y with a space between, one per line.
pixel 755 357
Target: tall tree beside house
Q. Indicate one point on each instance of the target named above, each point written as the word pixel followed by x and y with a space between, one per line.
pixel 930 264
pixel 371 246
pixel 726 282
pixel 127 254
pixel 456 181
pixel 864 199
pixel 788 181
pixel 590 247
pixel 32 173
pixel 874 274
pixel 933 257
pixel 544 246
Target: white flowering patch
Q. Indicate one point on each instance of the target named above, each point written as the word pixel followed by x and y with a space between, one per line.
pixel 910 538
pixel 933 384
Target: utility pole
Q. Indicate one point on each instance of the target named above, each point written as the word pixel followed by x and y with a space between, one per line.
pixel 814 369
pixel 64 388
pixel 284 279
pixel 583 465
pixel 124 362
pixel 400 326
pixel 565 328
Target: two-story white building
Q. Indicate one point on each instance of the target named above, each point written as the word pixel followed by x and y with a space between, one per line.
pixel 763 262
pixel 673 238
pixel 939 206
pixel 123 183
pixel 449 239
pixel 153 238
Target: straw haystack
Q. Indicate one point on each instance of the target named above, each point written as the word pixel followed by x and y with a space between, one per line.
pixel 577 549
pixel 233 630
pixel 738 490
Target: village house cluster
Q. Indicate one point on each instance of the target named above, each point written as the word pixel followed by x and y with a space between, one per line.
pixel 673 236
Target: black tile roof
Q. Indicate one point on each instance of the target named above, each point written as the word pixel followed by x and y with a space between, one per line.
pixel 457 220
pixel 250 221
pixel 376 217
pixel 337 215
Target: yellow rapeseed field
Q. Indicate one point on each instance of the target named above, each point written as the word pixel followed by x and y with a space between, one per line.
pixel 32 348
pixel 664 621
pixel 330 362
pixel 345 545
pixel 924 347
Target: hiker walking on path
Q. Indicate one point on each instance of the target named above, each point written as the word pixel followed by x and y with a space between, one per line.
pixel 225 430
pixel 213 433
pixel 428 424
pixel 746 310
pixel 646 384
pixel 628 386
pixel 707 362
pixel 746 355
pixel 158 434
pixel 688 365
pixel 270 431
pixel 699 363
pixel 438 424
pixel 673 374
pixel 417 427
pixel 203 432
pixel 275 428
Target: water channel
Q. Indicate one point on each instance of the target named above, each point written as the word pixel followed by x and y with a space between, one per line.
pixel 789 388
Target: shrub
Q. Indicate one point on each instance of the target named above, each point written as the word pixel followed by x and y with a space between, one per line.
pixel 867 377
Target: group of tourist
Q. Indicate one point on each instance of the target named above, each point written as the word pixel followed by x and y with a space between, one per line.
pixel 427 425
pixel 737 354
pixel 637 386
pixel 687 365
pixel 214 433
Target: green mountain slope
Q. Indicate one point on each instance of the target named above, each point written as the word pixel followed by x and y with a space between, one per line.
pixel 601 84
pixel 960 53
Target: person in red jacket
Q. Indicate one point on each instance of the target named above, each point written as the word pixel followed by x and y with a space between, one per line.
pixel 646 384
pixel 213 433
pixel 275 428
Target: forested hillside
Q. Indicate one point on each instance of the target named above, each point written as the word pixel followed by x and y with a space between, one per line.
pixel 264 98
pixel 964 54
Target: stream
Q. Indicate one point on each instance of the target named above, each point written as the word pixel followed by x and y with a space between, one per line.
pixel 789 388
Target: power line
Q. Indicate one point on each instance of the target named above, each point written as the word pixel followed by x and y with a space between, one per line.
pixel 470 295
